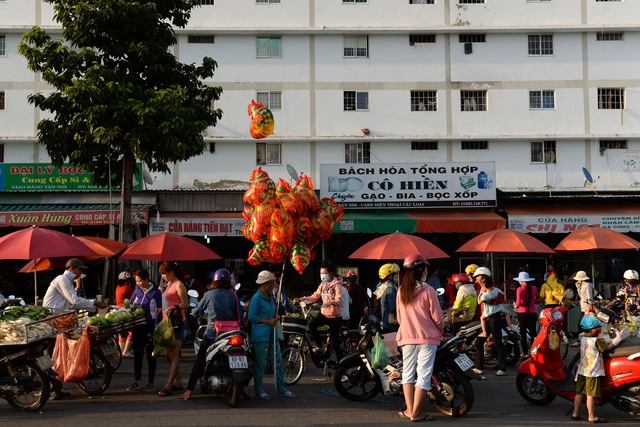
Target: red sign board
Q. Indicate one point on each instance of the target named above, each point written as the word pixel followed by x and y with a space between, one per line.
pixel 61 218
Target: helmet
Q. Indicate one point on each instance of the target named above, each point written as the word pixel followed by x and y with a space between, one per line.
pixel 484 271
pixel 471 268
pixel 414 260
pixel 351 274
pixel 124 275
pixel 387 270
pixel 631 275
pixel 590 322
pixel 461 278
pixel 222 274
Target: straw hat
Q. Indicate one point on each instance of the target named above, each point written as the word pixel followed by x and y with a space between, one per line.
pixel 581 276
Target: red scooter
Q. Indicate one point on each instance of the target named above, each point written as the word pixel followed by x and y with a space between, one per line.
pixel 543 375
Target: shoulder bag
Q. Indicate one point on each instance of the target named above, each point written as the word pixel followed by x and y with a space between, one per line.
pixel 222 326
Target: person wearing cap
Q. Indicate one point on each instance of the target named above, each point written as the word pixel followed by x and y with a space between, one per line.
pixel 591 366
pixel 61 295
pixel 526 297
pixel 123 292
pixel 585 291
pixel 263 318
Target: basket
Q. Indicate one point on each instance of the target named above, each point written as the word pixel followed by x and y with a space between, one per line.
pixel 294 325
pixel 103 333
pixel 457 315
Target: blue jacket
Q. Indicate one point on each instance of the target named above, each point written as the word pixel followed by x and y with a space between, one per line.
pixel 261 307
pixel 220 304
pixel 149 301
pixel 388 305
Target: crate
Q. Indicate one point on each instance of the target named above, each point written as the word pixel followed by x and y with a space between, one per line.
pixel 103 333
pixel 55 324
pixel 457 315
pixel 294 325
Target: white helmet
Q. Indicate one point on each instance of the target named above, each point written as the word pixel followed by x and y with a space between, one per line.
pixel 631 275
pixel 482 271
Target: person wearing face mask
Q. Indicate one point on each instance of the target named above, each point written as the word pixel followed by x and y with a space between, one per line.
pixel 386 293
pixel 330 290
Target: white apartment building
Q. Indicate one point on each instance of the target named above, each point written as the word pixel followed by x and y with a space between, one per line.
pixel 539 88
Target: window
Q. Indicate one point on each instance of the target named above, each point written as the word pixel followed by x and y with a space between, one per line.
pixel 472 38
pixel 2 103
pixel 542 100
pixel 543 152
pixel 356 46
pixel 540 44
pixel 354 101
pixel 421 38
pixel 269 47
pixel 424 145
pixel 3 47
pixel 470 1
pixel 203 2
pixel 424 100
pixel 606 0
pixel 354 1
pixel 202 39
pixel 609 37
pixel 267 1
pixel 271 100
pixel 422 1
pixel 1 153
pixel 611 98
pixel 267 153
pixel 474 145
pixel 613 144
pixel 357 152
pixel 473 100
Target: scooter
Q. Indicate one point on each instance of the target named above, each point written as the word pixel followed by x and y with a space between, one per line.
pixel 543 376
pixel 510 344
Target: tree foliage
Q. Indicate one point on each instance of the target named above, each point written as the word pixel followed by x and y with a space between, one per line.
pixel 120 94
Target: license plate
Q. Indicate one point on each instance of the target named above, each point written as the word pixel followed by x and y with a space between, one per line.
pixel 107 350
pixel 464 362
pixel 238 362
pixel 44 362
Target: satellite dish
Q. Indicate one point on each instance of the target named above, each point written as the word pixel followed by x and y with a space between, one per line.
pixel 587 175
pixel 147 177
pixel 292 172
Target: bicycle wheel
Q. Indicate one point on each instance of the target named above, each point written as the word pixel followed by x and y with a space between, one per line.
pixel 116 358
pixel 293 360
pixel 32 385
pixel 99 377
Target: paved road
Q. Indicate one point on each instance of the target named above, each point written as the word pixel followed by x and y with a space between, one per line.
pixel 497 403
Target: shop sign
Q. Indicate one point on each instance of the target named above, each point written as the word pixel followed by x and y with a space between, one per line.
pixel 62 218
pixel 410 185
pixel 623 223
pixel 197 226
pixel 47 177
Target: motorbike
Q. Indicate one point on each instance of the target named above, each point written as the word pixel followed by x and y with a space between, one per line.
pixel 451 390
pixel 544 376
pixel 510 344
pixel 24 375
pixel 228 367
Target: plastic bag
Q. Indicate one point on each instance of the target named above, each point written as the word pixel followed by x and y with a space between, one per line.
pixel 554 340
pixel 163 337
pixel 71 357
pixel 379 358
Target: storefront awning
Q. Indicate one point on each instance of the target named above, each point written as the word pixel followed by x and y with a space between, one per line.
pixel 55 215
pixel 565 219
pixel 419 222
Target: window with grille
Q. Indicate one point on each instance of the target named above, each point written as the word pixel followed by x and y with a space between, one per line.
pixel 424 100
pixel 474 145
pixel 203 2
pixel 272 100
pixel 357 152
pixel 611 98
pixel 1 153
pixel 2 101
pixel 268 153
pixel 472 38
pixel 609 37
pixel 354 1
pixel 542 100
pixel 354 101
pixel 422 1
pixel 269 47
pixel 3 46
pixel 613 144
pixel 267 1
pixel 202 39
pixel 356 46
pixel 473 100
pixel 424 145
pixel 470 1
pixel 543 151
pixel 415 39
pixel 540 44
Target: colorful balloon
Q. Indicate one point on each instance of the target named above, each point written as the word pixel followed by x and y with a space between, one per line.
pixel 287 199
pixel 262 189
pixel 260 223
pixel 300 257
pixel 259 253
pixel 304 192
pixel 262 122
pixel 304 229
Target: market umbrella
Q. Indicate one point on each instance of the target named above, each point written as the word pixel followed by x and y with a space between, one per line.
pixel 398 246
pixel 168 247
pixel 505 241
pixel 594 238
pixel 35 242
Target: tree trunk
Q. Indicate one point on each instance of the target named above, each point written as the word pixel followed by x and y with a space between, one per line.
pixel 128 168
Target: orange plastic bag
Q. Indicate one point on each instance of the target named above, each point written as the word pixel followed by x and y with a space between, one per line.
pixel 71 357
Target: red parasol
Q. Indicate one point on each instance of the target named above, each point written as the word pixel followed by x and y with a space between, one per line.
pixel 398 246
pixel 596 239
pixel 168 247
pixel 505 241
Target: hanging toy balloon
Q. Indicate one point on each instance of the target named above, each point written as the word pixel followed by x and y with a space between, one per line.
pixel 262 122
pixel 259 253
pixel 325 217
pixel 287 199
pixel 304 192
pixel 262 189
pixel 300 257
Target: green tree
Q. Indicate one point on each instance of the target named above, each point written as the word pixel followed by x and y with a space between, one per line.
pixel 120 94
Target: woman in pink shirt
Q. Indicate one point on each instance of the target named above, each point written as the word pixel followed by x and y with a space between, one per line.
pixel 526 297
pixel 421 324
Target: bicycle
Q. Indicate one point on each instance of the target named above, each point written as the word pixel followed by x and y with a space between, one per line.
pixel 298 347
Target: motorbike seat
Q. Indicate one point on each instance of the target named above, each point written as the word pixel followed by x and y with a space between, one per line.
pixel 469 325
pixel 626 348
pixel 566 385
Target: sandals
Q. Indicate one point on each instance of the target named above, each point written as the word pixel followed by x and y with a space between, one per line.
pixel 575 417
pixel 402 415
pixel 164 392
pixel 176 388
pixel 598 421
pixel 423 419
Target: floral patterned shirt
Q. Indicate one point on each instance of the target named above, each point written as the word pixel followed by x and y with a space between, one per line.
pixel 591 362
